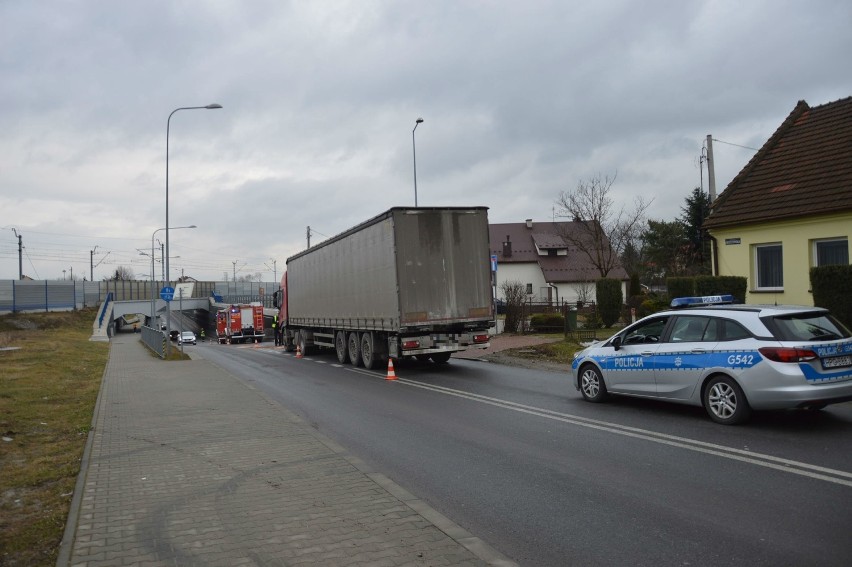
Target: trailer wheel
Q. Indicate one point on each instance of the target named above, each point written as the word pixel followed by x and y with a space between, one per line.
pixel 440 357
pixel 303 343
pixel 368 353
pixel 354 349
pixel 341 347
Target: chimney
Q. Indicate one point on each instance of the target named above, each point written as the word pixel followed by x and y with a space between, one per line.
pixel 507 248
pixel 529 223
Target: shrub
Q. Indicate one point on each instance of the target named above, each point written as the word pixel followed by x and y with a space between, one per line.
pixel 609 299
pixel 652 305
pixel 515 294
pixel 680 287
pixel 593 320
pixel 634 288
pixel 547 322
pixel 721 285
pixel 831 285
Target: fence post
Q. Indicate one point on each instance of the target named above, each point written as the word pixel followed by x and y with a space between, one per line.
pixel 46 300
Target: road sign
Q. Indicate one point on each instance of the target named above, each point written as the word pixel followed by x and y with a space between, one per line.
pixel 167 293
pixel 494 262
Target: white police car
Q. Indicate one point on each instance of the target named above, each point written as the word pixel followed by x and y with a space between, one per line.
pixel 730 359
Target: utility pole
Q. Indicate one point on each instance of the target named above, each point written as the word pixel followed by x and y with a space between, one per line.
pixel 711 169
pixel 309 236
pixel 92 264
pixel 274 269
pixel 235 270
pixel 20 255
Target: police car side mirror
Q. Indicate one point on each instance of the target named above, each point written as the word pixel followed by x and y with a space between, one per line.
pixel 616 343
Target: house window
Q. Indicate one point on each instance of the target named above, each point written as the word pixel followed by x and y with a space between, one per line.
pixel 768 267
pixel 834 252
pixel 529 289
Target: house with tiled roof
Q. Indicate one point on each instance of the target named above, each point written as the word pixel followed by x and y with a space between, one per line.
pixel 538 255
pixel 790 208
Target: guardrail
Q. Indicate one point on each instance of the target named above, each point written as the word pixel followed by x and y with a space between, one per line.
pixel 155 340
pixel 104 309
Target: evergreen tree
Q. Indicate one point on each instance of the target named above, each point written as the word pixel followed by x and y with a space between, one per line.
pixel 692 217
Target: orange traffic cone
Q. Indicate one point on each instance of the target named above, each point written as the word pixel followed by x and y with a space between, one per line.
pixel 298 351
pixel 391 373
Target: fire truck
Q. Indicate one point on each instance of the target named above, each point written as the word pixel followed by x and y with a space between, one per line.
pixel 240 323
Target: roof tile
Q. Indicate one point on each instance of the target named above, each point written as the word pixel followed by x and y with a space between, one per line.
pixel 804 169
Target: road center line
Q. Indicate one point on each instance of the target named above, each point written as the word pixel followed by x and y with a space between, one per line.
pixel 769 461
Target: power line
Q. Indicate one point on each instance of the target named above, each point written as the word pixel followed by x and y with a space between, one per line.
pixel 737 145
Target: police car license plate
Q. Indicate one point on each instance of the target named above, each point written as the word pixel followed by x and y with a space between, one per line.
pixel 837 361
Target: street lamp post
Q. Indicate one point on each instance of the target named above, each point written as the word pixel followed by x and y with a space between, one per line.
pixel 414 151
pixel 166 256
pixel 153 289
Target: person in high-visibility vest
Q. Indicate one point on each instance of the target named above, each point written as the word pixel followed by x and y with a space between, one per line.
pixel 275 329
pixel 203 335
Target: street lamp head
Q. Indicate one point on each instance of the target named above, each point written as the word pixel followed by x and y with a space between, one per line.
pixel 192 226
pixel 419 120
pixel 213 106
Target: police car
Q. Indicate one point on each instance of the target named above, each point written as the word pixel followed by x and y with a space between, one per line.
pixel 730 359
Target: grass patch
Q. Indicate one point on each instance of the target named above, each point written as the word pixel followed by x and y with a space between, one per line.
pixel 48 390
pixel 561 352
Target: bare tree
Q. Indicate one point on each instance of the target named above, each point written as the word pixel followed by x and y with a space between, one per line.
pixel 515 294
pixel 600 231
pixel 123 273
pixel 585 291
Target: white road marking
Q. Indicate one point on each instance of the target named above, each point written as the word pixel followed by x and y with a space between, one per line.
pixel 760 459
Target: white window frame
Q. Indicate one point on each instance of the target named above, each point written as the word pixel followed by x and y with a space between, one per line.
pixel 816 244
pixel 757 279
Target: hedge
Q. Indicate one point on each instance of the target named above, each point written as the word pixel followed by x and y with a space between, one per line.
pixel 547 322
pixel 680 287
pixel 708 285
pixel 721 285
pixel 830 286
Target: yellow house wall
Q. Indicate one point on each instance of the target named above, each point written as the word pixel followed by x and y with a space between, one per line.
pixel 796 238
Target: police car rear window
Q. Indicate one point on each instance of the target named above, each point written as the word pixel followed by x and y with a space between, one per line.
pixel 807 327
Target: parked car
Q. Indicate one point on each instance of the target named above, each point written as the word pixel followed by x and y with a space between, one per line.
pixel 187 337
pixel 730 359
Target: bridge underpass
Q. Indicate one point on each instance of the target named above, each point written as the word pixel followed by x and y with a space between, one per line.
pixel 187 315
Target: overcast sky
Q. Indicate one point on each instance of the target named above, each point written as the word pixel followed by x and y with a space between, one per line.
pixel 520 101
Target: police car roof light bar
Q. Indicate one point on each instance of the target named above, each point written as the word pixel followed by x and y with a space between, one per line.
pixel 680 302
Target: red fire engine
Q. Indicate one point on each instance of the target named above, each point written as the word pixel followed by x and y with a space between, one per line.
pixel 240 323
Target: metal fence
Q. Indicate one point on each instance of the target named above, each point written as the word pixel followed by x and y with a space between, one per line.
pixel 155 340
pixel 59 295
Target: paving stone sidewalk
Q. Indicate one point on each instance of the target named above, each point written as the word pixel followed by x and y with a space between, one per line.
pixel 186 465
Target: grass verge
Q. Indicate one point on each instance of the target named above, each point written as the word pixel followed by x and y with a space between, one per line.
pixel 561 352
pixel 48 388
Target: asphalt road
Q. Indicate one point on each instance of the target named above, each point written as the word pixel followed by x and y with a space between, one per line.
pixel 519 459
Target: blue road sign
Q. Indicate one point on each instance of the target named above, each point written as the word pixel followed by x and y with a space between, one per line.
pixel 494 262
pixel 167 293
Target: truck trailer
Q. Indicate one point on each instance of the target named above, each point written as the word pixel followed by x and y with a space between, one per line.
pixel 240 323
pixel 410 282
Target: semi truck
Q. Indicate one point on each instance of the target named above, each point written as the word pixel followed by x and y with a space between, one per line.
pixel 410 282
pixel 240 323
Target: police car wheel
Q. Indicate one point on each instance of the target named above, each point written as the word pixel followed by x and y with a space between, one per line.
pixel 725 401
pixel 591 384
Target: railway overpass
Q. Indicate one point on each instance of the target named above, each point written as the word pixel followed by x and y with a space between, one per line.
pixel 191 314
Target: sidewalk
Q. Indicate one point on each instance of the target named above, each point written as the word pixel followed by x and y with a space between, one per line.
pixel 186 465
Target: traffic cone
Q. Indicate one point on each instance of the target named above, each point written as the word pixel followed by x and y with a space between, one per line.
pixel 391 373
pixel 298 351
